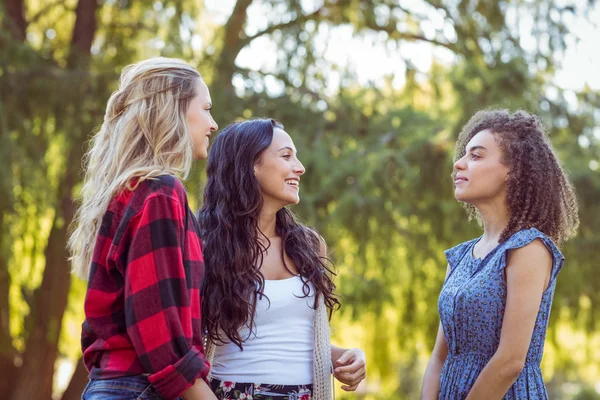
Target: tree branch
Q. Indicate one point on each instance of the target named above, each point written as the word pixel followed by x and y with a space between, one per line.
pixel 282 77
pixel 136 26
pixel 299 20
pixel 390 29
pixel 415 37
pixel 45 10
pixel 234 27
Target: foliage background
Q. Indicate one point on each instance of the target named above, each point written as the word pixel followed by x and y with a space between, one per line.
pixel 378 156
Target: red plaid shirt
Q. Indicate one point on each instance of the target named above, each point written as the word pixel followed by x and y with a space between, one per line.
pixel 142 305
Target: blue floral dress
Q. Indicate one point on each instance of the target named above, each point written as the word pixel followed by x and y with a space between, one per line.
pixel 471 307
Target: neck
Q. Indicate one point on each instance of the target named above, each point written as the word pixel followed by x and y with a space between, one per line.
pixel 495 218
pixel 267 221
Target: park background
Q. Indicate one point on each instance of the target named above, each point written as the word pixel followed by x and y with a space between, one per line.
pixel 374 94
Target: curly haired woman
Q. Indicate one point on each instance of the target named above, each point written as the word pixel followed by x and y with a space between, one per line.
pixel 495 303
pixel 137 241
pixel 268 283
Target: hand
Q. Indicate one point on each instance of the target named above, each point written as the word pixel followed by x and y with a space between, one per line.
pixel 351 369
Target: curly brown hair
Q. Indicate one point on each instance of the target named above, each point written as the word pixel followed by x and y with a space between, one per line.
pixel 539 193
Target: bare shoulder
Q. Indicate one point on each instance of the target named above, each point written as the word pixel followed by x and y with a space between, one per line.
pixel 533 255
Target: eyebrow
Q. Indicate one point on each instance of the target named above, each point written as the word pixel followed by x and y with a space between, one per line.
pixel 286 148
pixel 476 148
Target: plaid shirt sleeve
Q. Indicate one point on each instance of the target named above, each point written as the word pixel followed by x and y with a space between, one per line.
pixel 160 294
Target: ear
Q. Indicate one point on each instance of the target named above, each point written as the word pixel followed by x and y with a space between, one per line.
pixel 257 164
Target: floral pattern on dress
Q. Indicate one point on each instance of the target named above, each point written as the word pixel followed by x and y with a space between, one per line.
pixel 471 307
pixel 259 391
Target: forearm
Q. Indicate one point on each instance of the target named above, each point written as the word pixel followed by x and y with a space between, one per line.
pixel 199 391
pixel 336 353
pixel 431 380
pixel 496 378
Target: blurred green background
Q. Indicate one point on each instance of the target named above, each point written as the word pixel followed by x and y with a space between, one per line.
pixel 374 94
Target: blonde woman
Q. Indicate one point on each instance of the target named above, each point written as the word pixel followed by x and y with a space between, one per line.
pixel 137 242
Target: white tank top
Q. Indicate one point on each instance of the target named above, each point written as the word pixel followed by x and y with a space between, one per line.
pixel 280 350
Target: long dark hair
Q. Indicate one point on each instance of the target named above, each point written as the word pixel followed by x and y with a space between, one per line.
pixel 233 250
pixel 540 194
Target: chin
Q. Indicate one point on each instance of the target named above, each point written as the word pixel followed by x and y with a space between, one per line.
pixel 201 155
pixel 461 196
pixel 291 201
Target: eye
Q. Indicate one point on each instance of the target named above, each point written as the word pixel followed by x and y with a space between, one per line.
pixel 287 156
pixel 475 156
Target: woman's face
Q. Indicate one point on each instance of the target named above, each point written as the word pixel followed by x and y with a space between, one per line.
pixel 199 122
pixel 278 171
pixel 480 176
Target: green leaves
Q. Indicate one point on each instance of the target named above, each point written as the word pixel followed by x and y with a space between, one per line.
pixel 378 156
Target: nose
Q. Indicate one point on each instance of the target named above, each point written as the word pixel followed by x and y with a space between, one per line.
pixel 213 125
pixel 459 165
pixel 299 168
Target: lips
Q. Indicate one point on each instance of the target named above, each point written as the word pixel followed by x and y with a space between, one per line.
pixel 458 179
pixel 294 182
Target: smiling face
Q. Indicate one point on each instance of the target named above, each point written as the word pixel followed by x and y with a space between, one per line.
pixel 480 176
pixel 200 123
pixel 278 172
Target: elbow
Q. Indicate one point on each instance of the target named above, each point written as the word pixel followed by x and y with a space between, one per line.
pixel 512 368
pixel 437 360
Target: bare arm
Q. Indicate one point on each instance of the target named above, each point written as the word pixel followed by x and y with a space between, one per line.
pixel 199 391
pixel 528 272
pixel 431 380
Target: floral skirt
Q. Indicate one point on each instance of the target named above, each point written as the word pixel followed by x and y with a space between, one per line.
pixel 259 391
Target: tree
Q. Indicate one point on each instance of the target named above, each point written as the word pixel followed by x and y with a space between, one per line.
pixel 375 154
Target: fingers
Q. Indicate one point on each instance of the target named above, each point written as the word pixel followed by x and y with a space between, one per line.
pixel 352 368
pixel 351 386
pixel 353 378
pixel 345 357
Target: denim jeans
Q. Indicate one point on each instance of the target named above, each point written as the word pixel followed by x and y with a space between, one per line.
pixel 123 388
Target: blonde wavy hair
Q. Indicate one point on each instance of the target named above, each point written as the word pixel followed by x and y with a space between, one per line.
pixel 144 135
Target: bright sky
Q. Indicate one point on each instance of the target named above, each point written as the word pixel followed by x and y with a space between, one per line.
pixel 581 63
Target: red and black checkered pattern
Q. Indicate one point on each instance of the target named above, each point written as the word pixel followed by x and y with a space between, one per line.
pixel 142 305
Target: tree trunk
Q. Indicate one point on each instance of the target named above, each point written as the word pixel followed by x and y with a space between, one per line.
pixel 77 383
pixel 225 97
pixel 233 44
pixel 15 21
pixel 50 301
pixel 83 33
